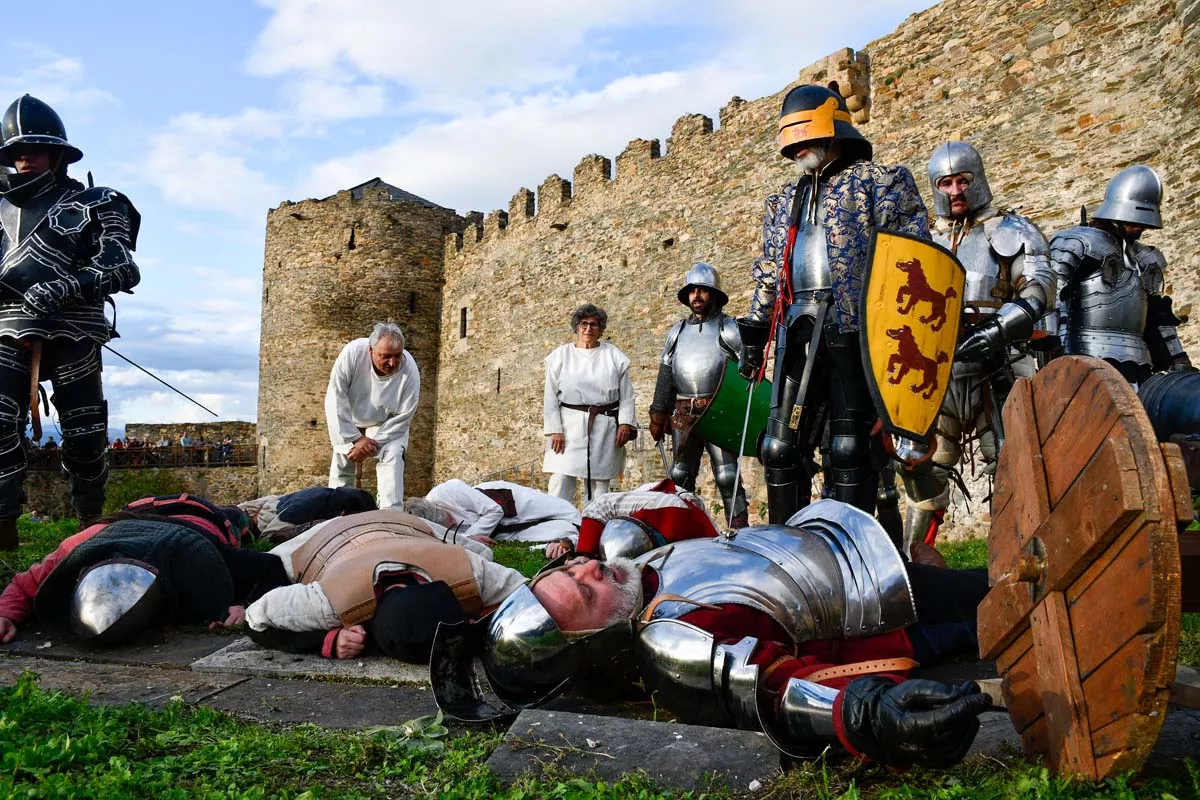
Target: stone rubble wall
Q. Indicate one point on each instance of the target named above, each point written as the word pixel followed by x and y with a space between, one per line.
pixel 1058 96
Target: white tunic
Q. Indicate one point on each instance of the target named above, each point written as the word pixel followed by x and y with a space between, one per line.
pixel 305 607
pixel 359 398
pixel 593 376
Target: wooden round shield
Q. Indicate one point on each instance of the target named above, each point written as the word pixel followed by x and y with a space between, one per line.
pixel 1083 616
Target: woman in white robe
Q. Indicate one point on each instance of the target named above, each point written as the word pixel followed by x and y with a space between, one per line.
pixel 586 379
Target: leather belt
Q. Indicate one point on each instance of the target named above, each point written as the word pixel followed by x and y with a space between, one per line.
pixel 608 410
pixel 863 668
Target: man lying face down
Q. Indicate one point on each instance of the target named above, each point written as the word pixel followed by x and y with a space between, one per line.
pixel 806 631
pixel 161 560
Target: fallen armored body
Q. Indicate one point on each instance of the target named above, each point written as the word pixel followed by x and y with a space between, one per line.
pixel 805 631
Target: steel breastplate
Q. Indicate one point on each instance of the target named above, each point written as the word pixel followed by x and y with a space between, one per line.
pixel 975 253
pixel 1108 321
pixel 698 361
pixel 817 582
pixel 809 269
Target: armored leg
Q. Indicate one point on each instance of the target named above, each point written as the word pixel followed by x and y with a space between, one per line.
pixel 687 460
pixel 787 474
pixel 15 362
pixel 79 398
pixel 724 467
pixel 888 503
pixel 851 416
pixel 928 486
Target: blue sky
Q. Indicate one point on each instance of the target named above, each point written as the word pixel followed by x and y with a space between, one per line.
pixel 207 115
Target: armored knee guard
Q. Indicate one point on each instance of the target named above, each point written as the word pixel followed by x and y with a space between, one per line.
pixel 789 487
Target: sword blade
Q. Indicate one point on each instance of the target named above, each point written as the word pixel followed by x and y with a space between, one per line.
pixel 737 472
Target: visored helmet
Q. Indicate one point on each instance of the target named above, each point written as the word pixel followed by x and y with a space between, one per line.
pixel 515 658
pixel 30 121
pixel 1134 196
pixel 115 599
pixel 950 159
pixel 815 112
pixel 705 276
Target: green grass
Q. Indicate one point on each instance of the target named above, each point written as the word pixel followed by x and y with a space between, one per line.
pixel 965 554
pixel 518 556
pixel 54 745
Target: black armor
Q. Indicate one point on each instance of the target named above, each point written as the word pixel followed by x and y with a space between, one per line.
pixel 64 249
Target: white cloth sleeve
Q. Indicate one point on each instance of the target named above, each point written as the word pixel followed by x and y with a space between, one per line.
pixel 495 581
pixel 299 607
pixel 551 410
pixel 338 416
pixel 626 411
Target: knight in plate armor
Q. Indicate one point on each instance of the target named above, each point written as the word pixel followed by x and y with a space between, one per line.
pixel 816 236
pixel 1009 288
pixel 1111 301
pixel 689 372
pixel 64 250
pixel 805 631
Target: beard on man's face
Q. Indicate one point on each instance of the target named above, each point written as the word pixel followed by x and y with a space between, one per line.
pixel 631 589
pixel 812 159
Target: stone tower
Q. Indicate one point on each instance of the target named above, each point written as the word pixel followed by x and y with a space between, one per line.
pixel 333 268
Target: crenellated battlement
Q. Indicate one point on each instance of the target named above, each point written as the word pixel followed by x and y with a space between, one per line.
pixel 692 140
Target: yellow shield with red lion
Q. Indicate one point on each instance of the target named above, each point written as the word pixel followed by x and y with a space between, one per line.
pixel 911 307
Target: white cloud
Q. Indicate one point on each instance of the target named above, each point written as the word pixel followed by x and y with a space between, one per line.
pixel 447 54
pixel 59 80
pixel 480 156
pixel 201 161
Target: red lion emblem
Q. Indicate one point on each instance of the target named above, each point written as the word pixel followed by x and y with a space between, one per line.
pixel 918 290
pixel 910 357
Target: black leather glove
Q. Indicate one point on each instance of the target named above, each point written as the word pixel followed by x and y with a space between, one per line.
pixel 915 722
pixel 751 361
pixel 980 342
pixel 44 299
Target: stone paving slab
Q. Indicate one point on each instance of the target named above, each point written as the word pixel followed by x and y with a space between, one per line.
pixel 244 657
pixel 330 705
pixel 155 647
pixel 118 684
pixel 683 757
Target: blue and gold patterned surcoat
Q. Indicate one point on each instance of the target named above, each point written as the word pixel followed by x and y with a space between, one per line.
pixel 855 201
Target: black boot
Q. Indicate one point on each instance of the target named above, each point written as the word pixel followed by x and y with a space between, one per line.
pixel 8 534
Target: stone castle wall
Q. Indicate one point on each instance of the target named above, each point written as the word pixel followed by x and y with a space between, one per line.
pixel 1057 95
pixel 332 269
